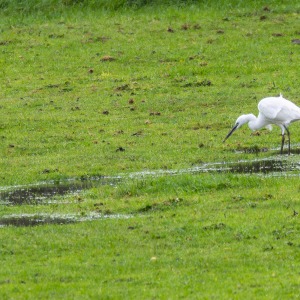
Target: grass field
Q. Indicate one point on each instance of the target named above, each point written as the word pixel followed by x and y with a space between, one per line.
pixel 142 96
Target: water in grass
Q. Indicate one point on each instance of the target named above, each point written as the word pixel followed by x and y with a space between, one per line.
pixel 58 192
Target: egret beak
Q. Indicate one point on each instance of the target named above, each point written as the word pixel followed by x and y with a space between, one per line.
pixel 231 131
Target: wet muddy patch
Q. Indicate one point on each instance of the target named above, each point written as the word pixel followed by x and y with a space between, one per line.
pixel 61 192
pixel 58 192
pixel 25 220
pixel 262 166
pixel 295 149
pixel 47 193
pixel 251 167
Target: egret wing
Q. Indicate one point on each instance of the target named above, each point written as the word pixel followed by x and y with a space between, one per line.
pixel 279 110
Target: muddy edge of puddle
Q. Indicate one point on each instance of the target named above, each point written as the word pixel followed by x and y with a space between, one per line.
pixel 29 220
pixel 43 193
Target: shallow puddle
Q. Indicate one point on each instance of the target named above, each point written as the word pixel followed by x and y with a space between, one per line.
pixel 246 167
pixel 263 166
pixel 24 220
pixel 45 193
pixel 58 192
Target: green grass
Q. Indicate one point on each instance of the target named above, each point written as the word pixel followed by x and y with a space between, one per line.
pixel 233 237
pixel 56 88
pixel 82 83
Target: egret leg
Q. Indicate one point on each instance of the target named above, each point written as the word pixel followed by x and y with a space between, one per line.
pixel 289 151
pixel 282 144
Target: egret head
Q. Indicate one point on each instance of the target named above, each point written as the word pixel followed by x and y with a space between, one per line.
pixel 241 120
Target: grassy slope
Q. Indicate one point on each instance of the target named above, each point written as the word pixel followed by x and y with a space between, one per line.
pixel 210 236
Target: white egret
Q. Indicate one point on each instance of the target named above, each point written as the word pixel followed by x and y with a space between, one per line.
pixel 272 110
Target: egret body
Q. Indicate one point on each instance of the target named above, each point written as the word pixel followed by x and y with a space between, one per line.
pixel 272 110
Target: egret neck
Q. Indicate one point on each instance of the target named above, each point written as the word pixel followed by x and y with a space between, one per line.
pixel 256 123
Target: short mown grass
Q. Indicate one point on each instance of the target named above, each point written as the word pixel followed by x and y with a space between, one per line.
pixel 119 88
pixel 213 239
pixel 164 87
